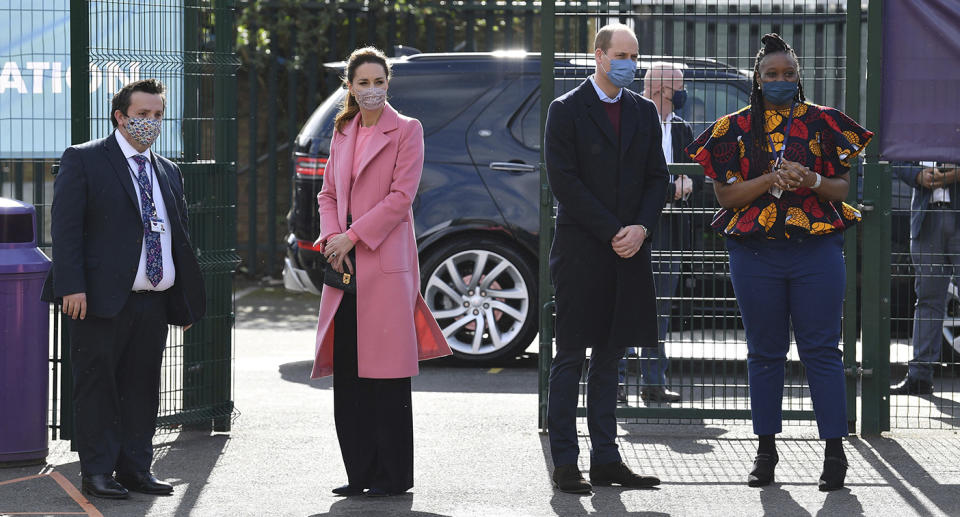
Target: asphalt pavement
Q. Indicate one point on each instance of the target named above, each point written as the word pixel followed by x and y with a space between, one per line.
pixel 478 451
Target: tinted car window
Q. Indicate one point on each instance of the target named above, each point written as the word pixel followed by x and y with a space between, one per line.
pixel 710 99
pixel 525 126
pixel 318 130
pixel 436 99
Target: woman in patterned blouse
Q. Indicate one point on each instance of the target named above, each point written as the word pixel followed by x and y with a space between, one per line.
pixel 781 172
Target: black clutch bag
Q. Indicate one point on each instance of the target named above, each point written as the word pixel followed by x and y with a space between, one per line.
pixel 346 281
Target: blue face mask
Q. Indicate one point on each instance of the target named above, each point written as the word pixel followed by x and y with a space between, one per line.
pixel 779 93
pixel 622 72
pixel 679 99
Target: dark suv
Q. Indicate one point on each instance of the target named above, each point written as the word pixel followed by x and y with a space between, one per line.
pixel 477 210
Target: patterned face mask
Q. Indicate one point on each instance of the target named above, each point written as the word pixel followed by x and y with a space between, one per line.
pixel 372 98
pixel 143 130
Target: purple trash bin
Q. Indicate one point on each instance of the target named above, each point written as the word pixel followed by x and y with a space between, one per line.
pixel 24 347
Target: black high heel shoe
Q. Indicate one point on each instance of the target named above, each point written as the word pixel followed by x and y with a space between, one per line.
pixel 763 468
pixel 834 472
pixel 348 490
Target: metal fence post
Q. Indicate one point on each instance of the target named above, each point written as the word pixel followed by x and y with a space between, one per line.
pixel 851 315
pixel 875 402
pixel 79 133
pixel 546 210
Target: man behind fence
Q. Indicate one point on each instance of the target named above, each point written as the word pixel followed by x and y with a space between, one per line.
pixel 935 251
pixel 606 167
pixel 124 267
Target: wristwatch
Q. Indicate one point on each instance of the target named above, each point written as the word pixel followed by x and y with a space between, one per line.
pixel 646 232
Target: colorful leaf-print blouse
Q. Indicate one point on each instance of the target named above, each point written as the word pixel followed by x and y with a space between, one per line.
pixel 821 138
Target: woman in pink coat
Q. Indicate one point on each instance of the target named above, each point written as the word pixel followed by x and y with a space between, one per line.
pixel 371 341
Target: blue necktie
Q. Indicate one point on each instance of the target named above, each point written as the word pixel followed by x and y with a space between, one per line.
pixel 154 257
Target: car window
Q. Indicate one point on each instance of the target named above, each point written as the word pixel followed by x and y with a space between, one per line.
pixel 436 99
pixel 320 124
pixel 708 100
pixel 525 125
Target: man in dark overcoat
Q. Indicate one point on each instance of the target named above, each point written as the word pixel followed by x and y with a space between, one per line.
pixel 606 168
pixel 124 269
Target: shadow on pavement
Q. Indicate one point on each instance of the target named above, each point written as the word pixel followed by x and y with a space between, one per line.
pixel 396 505
pixel 445 375
pixel 908 475
pixel 604 500
pixel 186 462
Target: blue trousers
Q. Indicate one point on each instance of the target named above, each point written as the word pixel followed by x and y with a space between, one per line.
pixel 800 282
pixel 936 257
pixel 565 372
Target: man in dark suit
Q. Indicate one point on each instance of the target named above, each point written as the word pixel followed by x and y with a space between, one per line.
pixel 124 268
pixel 606 168
pixel 935 251
pixel 663 84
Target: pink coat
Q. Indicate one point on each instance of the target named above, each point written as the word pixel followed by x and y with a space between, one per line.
pixel 395 328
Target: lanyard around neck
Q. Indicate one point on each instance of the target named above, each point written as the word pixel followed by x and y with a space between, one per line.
pixel 778 156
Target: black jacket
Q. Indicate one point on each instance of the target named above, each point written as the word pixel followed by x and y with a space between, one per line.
pixel 97 233
pixel 603 183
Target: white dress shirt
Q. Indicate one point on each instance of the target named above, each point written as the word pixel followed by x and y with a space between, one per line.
pixel 603 96
pixel 140 282
pixel 667 141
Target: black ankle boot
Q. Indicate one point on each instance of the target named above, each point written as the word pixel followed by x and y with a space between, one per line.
pixel 763 466
pixel 834 472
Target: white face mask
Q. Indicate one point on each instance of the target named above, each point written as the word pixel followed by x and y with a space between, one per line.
pixel 372 98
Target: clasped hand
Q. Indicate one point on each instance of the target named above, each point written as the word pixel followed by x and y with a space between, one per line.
pixel 336 250
pixel 627 242
pixel 934 178
pixel 792 175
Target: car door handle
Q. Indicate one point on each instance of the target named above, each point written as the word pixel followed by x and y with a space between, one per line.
pixel 512 167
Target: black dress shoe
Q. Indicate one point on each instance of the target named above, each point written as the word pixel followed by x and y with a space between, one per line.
pixel 658 394
pixel 620 474
pixel 103 486
pixel 145 483
pixel 568 479
pixel 911 386
pixel 834 472
pixel 622 394
pixel 347 490
pixel 763 467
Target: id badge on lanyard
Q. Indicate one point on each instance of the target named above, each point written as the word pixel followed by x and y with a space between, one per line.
pixel 157 225
pixel 778 156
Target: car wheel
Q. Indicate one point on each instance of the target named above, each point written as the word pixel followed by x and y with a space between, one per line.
pixel 483 294
pixel 951 320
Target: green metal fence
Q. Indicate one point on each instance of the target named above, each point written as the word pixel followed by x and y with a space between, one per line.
pixel 705 343
pixel 84 52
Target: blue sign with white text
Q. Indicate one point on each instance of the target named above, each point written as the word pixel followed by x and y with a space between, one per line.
pixel 128 42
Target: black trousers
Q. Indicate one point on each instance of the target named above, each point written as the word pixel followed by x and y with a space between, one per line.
pixel 116 385
pixel 373 416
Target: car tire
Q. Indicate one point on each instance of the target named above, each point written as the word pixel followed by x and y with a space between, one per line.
pixel 502 307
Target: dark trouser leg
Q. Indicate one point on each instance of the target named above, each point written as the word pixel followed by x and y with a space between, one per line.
pixel 934 253
pixel 138 380
pixel 394 430
pixel 602 404
pixel 761 289
pixel 352 408
pixel 565 375
pixel 96 406
pixel 816 303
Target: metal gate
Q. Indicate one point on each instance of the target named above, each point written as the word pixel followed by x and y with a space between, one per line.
pixel 714 43
pixel 74 56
